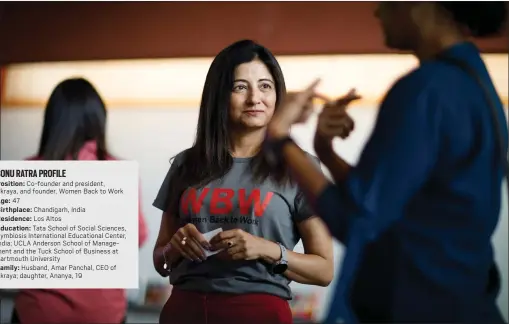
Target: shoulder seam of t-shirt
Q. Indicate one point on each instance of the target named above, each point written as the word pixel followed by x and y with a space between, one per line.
pixel 160 202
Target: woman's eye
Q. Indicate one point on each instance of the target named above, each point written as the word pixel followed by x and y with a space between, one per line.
pixel 239 87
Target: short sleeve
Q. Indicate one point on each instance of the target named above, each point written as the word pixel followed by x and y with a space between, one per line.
pixel 161 201
pixel 303 209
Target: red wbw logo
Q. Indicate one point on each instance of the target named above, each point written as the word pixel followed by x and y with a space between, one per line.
pixel 221 201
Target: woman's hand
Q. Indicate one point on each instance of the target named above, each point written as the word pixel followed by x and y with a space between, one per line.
pixel 334 121
pixel 238 245
pixel 189 243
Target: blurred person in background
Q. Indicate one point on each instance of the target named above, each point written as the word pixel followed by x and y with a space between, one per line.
pixel 418 211
pixel 74 129
pixel 223 181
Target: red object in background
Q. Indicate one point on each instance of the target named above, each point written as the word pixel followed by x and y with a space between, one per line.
pixel 72 305
pixel 157 294
pixel 63 31
pixel 304 305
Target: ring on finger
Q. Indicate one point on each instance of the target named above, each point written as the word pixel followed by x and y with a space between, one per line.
pixel 229 243
pixel 183 242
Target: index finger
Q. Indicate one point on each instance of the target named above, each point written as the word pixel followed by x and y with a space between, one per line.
pixel 311 88
pixel 345 100
pixel 309 92
pixel 320 96
pixel 224 235
pixel 193 231
pixel 351 95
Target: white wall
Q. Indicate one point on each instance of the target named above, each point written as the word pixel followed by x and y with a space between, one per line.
pixel 152 136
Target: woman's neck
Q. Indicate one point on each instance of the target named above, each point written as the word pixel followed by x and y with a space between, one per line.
pixel 246 143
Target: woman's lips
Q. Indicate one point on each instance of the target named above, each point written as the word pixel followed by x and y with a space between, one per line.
pixel 253 112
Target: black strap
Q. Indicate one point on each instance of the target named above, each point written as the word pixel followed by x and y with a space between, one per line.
pixel 499 137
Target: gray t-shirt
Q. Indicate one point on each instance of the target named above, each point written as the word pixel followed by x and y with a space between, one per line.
pixel 268 210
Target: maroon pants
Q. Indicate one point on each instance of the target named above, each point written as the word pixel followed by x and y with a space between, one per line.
pixel 185 307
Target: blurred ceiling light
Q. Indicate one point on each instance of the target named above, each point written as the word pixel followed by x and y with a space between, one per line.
pixel 178 83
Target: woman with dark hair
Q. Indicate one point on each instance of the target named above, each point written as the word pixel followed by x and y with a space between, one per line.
pixel 74 129
pixel 418 211
pixel 224 182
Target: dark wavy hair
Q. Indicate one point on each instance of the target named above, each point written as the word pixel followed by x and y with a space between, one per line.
pixel 482 18
pixel 74 114
pixel 209 158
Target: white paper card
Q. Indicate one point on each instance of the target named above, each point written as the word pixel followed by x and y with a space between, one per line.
pixel 208 236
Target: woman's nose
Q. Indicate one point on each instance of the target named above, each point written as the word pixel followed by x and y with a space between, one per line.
pixel 254 97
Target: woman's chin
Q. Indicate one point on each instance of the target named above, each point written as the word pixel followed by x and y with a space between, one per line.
pixel 254 123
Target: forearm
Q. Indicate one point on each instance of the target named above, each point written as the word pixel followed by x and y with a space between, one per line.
pixel 303 268
pixel 309 269
pixel 314 185
pixel 309 177
pixel 159 259
pixel 336 165
pixel 293 276
pixel 167 229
